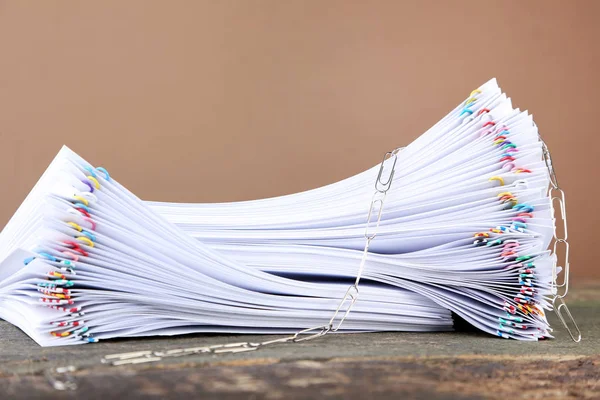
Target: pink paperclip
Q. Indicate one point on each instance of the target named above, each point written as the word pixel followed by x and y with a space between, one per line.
pixel 91 222
pixel 485 133
pixel 511 166
pixel 74 256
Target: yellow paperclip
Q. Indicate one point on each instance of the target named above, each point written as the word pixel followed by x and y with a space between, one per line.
pixel 96 183
pixel 82 199
pixel 470 100
pixel 474 92
pixel 62 334
pixel 505 194
pixel 86 240
pixel 74 225
pixel 497 178
pixel 540 310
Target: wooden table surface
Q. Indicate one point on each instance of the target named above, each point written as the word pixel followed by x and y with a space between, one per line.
pixel 453 365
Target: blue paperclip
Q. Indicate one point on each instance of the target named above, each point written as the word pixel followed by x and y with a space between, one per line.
pixel 48 256
pixel 522 207
pixel 89 235
pixel 81 205
pixel 28 260
pixel 91 171
pixel 519 226
pixel 494 242
pixel 105 172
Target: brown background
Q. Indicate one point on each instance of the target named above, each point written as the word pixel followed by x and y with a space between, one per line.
pixel 227 100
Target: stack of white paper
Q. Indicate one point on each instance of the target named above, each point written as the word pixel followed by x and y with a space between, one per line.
pixel 465 229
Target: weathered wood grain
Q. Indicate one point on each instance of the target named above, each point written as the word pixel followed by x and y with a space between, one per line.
pixel 465 377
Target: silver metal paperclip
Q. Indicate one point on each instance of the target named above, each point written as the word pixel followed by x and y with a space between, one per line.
pixel 576 336
pixel 309 335
pixel 557 196
pixel 125 356
pixel 350 298
pixel 140 360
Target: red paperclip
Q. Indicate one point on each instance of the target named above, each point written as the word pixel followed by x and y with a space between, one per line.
pixel 525 170
pixel 76 248
pixel 81 210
